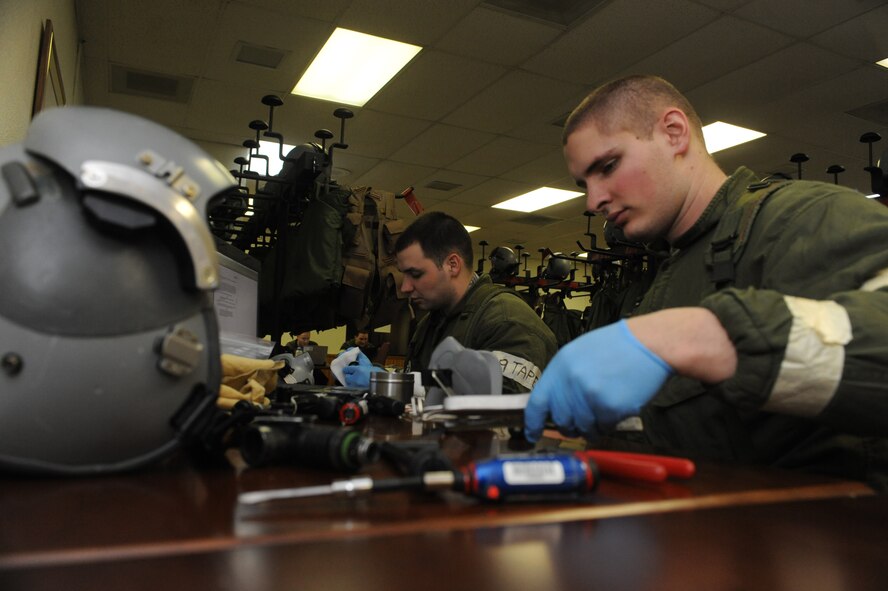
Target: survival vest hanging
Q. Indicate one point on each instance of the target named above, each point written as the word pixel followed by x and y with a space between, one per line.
pixel 371 282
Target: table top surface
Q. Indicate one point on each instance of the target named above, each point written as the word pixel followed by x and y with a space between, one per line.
pixel 183 519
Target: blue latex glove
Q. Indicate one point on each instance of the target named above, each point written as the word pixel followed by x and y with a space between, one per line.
pixel 594 382
pixel 358 376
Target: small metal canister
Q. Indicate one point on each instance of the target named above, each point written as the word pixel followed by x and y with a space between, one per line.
pixel 394 385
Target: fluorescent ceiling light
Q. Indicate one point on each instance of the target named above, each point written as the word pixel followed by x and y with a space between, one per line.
pixel 883 63
pixel 352 67
pixel 873 196
pixel 537 199
pixel 471 229
pixel 721 136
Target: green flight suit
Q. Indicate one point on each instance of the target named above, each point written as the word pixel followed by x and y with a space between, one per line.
pixel 489 318
pixel 809 240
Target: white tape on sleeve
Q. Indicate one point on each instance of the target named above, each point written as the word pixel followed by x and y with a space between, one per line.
pixel 877 282
pixel 518 369
pixel 814 358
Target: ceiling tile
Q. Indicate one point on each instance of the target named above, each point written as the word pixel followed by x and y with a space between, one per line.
pixel 803 18
pixel 410 21
pixel 491 192
pixel 732 97
pixel 570 209
pixel 177 33
pixel 351 167
pixel 725 5
pixel 497 37
pixel 864 37
pixel 510 101
pixel 498 156
pixel 616 37
pixel 212 100
pixel 168 113
pixel 464 180
pixel 298 38
pixel 392 176
pixel 376 134
pixel 461 211
pixel 433 84
pixel 735 43
pixel 440 145
pixel 328 10
pixel 539 171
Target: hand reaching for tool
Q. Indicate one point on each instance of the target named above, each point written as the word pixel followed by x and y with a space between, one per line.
pixel 594 382
pixel 358 376
pixel 608 374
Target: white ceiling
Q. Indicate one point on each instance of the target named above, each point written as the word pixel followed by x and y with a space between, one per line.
pixel 476 107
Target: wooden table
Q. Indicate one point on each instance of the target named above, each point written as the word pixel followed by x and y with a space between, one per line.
pixel 178 526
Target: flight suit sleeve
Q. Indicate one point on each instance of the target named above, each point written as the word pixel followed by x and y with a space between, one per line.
pixel 518 337
pixel 812 341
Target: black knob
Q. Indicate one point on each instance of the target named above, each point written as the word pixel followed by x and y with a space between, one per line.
pixel 798 158
pixel 870 137
pixel 525 256
pixel 258 125
pixel 272 100
pixel 834 170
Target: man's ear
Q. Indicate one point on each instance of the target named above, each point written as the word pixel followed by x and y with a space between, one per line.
pixel 453 264
pixel 677 130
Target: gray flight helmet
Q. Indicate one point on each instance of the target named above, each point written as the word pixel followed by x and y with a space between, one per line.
pixel 109 349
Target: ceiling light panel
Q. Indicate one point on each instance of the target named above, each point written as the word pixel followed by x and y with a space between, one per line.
pixel 721 136
pixel 352 67
pixel 537 199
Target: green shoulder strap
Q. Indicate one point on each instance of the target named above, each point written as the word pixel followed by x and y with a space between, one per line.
pixel 733 231
pixel 497 289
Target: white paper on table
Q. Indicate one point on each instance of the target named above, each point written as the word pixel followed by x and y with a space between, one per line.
pixel 339 363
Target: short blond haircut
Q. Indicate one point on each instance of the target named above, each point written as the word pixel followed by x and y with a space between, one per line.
pixel 632 104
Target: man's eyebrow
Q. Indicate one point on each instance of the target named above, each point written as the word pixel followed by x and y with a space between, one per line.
pixel 595 165
pixel 598 162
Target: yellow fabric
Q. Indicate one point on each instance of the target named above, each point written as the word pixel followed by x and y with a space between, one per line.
pixel 247 379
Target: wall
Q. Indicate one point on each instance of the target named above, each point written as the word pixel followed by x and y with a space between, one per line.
pixel 21 25
pixel 332 338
